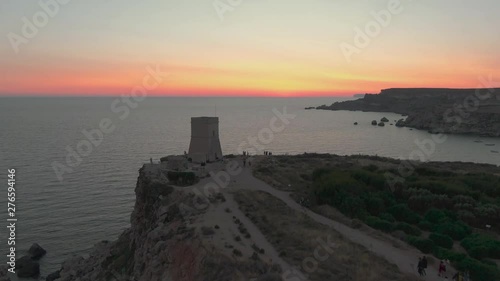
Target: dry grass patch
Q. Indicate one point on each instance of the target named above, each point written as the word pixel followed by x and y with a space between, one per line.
pixel 295 237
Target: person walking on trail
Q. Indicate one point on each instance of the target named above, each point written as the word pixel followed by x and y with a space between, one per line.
pixel 420 267
pixel 467 276
pixel 458 277
pixel 442 269
pixel 424 265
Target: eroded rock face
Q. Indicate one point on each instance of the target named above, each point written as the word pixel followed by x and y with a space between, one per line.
pixel 160 245
pixel 455 111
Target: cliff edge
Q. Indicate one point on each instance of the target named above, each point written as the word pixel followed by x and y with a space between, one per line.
pixel 163 243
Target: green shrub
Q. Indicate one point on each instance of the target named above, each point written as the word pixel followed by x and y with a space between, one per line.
pixel 388 217
pixel 435 216
pixel 481 246
pixel 424 171
pixel 425 225
pixel 374 204
pixel 181 177
pixel 402 213
pixel 489 262
pixel 388 198
pixel 479 270
pixel 353 207
pixel 371 168
pixel 456 230
pixel 379 224
pixel 424 245
pixel 318 173
pixel 442 240
pixel 375 180
pixel 484 183
pixel 408 229
pixel 445 254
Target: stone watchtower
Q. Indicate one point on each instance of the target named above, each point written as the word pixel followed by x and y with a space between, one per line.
pixel 205 144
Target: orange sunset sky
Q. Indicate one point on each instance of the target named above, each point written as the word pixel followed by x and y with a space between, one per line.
pixel 249 48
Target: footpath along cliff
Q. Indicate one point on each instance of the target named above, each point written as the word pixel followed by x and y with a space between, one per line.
pixel 453 111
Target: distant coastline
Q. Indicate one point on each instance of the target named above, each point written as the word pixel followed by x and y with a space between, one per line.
pixel 451 111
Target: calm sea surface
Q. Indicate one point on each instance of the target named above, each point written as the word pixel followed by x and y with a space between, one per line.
pixel 94 202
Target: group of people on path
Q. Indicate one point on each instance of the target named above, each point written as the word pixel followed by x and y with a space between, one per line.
pixel 459 276
pixel 422 265
pixel 245 160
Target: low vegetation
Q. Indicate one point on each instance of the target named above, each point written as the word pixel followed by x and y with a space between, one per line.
pixel 181 178
pixel 435 208
pixel 438 203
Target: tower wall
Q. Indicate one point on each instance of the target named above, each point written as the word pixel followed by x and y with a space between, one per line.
pixel 205 144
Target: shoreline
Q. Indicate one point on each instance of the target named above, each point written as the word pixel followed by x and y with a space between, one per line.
pixel 448 111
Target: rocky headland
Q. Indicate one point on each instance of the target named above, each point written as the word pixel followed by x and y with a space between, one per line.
pixel 452 111
pixel 245 230
pixel 164 243
pixel 264 223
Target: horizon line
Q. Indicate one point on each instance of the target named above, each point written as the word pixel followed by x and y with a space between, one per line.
pixel 171 96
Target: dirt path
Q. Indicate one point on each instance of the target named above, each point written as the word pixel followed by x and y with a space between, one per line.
pixel 223 214
pixel 405 259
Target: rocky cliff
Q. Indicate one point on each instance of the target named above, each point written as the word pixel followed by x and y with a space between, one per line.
pixel 460 111
pixel 161 244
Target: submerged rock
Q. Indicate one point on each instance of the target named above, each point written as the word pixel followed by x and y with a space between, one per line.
pixel 36 251
pixel 384 119
pixel 374 122
pixel 381 124
pixel 53 276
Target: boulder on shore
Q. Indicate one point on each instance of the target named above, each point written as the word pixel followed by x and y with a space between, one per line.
pixel 36 251
pixel 27 268
pixel 53 276
pixel 400 123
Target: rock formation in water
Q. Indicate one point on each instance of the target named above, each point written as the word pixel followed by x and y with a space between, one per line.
pixel 161 244
pixel 36 251
pixel 455 111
